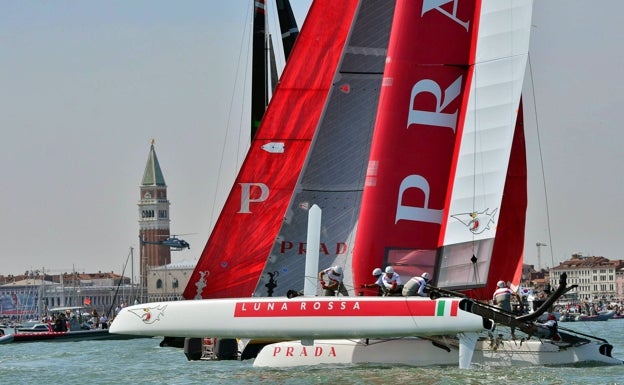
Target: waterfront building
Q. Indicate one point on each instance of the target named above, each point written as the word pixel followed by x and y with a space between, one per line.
pixel 167 283
pixel 598 278
pixel 30 296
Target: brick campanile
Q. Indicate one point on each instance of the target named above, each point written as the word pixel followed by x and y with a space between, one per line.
pixel 153 217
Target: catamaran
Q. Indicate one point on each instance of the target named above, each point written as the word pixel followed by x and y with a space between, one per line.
pixel 402 121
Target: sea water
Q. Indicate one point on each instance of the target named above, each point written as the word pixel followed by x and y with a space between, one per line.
pixel 143 361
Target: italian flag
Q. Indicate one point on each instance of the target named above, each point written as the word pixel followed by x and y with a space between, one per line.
pixel 446 308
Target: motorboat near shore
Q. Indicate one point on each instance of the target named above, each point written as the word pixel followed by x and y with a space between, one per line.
pixel 78 335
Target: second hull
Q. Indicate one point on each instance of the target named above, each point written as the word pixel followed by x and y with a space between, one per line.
pixel 429 352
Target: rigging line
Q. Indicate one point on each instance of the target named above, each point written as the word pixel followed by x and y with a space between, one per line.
pixel 541 157
pixel 220 172
pixel 108 313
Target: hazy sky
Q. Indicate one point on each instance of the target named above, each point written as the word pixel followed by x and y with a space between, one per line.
pixel 84 86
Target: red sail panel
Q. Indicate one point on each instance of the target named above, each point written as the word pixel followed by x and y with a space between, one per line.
pixel 241 240
pixel 421 110
pixel 507 253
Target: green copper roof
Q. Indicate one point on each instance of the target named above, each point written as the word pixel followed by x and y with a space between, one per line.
pixel 153 175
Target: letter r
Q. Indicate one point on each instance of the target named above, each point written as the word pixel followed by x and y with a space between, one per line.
pixel 437 117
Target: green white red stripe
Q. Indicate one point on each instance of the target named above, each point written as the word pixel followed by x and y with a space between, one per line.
pixel 446 308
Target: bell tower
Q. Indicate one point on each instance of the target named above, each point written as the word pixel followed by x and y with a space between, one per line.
pixel 153 217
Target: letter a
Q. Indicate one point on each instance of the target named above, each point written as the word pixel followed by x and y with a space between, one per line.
pixel 428 5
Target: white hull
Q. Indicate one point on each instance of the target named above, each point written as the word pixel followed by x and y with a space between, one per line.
pixel 423 352
pixel 298 318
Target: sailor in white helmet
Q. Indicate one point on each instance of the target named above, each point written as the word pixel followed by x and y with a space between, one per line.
pixel 392 284
pixel 502 296
pixel 334 281
pixel 416 285
pixel 378 283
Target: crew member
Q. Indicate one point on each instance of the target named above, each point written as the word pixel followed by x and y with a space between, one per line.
pixel 334 278
pixel 502 296
pixel 549 329
pixel 416 285
pixel 392 284
pixel 378 283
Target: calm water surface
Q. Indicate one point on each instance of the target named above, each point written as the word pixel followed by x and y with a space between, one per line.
pixel 142 361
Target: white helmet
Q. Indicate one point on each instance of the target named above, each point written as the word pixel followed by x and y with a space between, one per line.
pixel 426 276
pixel 501 284
pixel 377 272
pixel 337 270
pixel 389 270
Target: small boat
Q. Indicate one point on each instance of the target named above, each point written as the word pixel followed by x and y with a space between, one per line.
pixel 618 316
pixel 604 315
pixel 32 327
pixel 78 335
pixel 75 330
pixel 568 317
pixel 6 338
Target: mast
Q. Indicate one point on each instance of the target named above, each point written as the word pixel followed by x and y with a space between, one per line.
pixel 44 308
pixel 264 70
pixel 133 294
pixel 259 77
pixel 288 25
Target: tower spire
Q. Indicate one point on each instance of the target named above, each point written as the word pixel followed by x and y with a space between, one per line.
pixel 153 176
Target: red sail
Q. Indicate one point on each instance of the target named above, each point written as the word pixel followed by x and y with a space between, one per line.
pixel 242 238
pixel 422 104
